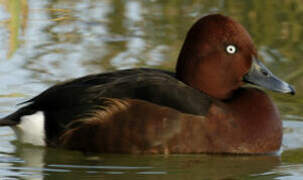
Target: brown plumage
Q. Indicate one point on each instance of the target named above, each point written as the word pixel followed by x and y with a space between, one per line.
pixel 201 108
pixel 136 126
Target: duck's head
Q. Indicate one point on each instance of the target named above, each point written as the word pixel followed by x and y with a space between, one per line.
pixel 218 56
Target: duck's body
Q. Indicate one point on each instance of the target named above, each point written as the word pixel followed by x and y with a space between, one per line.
pixel 64 103
pixel 197 109
pixel 136 126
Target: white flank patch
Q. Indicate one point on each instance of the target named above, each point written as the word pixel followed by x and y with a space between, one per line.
pixel 31 129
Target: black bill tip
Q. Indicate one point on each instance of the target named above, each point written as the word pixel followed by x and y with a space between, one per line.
pixel 292 90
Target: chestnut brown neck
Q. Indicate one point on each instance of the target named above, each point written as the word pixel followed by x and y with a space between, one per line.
pixel 247 123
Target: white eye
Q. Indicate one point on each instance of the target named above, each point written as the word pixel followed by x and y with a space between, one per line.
pixel 231 49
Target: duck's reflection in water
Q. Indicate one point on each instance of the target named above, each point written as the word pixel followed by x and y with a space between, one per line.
pixel 48 163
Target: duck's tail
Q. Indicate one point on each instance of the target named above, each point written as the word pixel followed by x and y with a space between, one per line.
pixel 14 118
pixel 6 121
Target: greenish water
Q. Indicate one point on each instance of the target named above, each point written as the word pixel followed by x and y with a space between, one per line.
pixel 44 42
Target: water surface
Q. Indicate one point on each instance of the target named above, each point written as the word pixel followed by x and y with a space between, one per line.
pixel 45 42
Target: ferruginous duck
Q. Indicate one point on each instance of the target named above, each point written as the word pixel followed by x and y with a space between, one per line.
pixel 200 108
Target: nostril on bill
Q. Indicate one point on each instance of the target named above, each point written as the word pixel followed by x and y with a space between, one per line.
pixel 265 73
